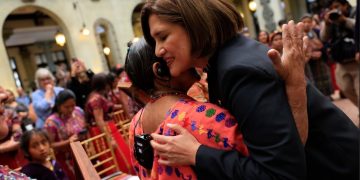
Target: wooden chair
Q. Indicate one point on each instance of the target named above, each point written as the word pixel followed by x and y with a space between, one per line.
pixel 101 155
pixel 84 169
pixel 122 123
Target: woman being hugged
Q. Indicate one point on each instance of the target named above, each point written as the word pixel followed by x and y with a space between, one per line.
pixel 241 78
pixel 169 104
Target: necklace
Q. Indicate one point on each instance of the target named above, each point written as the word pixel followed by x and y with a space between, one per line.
pixel 156 96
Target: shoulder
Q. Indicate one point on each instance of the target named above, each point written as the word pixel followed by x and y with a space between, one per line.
pixel 78 110
pixel 193 109
pixel 51 121
pixel 208 109
pixel 243 55
pixel 58 89
pixel 37 92
pixel 31 169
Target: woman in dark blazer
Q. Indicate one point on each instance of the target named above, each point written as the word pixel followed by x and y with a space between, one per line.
pixel 242 79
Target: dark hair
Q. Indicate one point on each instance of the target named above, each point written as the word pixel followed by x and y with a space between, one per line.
pixel 273 35
pixel 62 97
pixel 117 70
pixel 21 108
pixel 343 2
pixel 99 82
pixel 209 23
pixel 138 65
pixel 25 140
pixel 281 22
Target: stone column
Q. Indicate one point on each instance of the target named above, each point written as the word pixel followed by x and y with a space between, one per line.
pixel 268 13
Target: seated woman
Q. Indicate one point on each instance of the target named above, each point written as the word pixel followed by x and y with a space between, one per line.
pixel 64 126
pixel 36 147
pixel 211 125
pixel 43 98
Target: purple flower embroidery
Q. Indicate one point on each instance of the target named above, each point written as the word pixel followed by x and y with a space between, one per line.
pixel 201 108
pixel 144 172
pixel 174 114
pixel 177 172
pixel 193 125
pixel 221 116
pixel 137 169
pixel 168 170
pixel 160 170
pixel 209 133
pixel 230 122
pixel 168 132
pixel 225 141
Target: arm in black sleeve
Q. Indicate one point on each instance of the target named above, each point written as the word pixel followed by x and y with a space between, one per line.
pixel 259 103
pixel 357 26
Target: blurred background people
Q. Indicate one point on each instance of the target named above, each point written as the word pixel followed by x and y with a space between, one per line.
pixel 80 82
pixel 36 147
pixel 98 109
pixel 3 126
pixel 319 69
pixel 338 30
pixel 62 75
pixel 44 97
pixel 9 146
pixel 23 97
pixel 263 37
pixel 65 125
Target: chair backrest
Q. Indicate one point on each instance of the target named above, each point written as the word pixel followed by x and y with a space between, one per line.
pixel 83 163
pixel 101 154
pixel 122 123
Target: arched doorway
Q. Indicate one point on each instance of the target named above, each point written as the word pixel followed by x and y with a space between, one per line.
pixel 29 38
pixel 135 20
pixel 107 43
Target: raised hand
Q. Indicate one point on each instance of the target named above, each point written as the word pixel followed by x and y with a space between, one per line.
pixel 49 92
pixel 290 66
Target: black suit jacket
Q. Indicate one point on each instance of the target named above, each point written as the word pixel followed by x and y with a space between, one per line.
pixel 242 79
pixel 357 26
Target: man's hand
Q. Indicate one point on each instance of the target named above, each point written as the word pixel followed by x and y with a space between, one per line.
pixel 290 66
pixel 357 57
pixel 77 67
pixel 296 53
pixel 179 150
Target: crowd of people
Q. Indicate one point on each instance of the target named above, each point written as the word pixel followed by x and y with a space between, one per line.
pixel 54 116
pixel 333 64
pixel 225 107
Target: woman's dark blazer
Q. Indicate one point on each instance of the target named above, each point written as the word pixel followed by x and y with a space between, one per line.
pixel 242 79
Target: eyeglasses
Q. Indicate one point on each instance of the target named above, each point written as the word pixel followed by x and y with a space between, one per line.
pixel 44 78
